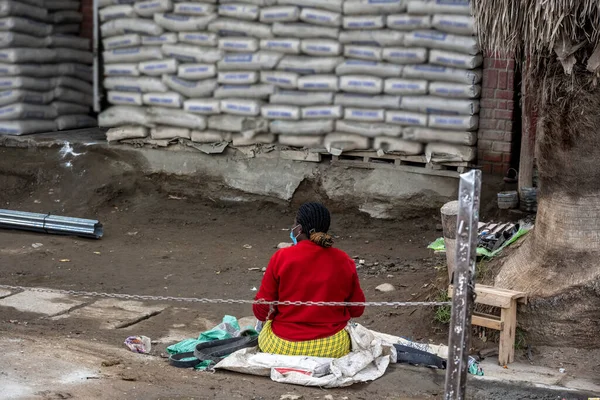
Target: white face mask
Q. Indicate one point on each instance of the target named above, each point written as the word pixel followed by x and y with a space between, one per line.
pixel 294 237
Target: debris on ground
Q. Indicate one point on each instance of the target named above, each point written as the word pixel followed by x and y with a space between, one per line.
pixel 291 396
pixel 247 246
pixel 139 344
pixel 385 287
pixel 36 245
pixel 111 363
pixel 284 245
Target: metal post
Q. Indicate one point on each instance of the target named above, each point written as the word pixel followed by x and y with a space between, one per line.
pixel 463 298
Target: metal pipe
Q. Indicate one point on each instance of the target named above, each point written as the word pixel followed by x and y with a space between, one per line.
pixel 46 223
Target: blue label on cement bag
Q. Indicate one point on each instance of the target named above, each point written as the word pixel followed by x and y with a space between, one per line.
pixel 238 58
pixel 439 36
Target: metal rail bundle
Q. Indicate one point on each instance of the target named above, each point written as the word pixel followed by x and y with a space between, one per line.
pixel 47 223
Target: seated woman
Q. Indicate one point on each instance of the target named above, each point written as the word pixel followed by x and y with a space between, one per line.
pixel 311 270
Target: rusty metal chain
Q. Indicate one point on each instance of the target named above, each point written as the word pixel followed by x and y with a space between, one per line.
pixel 230 301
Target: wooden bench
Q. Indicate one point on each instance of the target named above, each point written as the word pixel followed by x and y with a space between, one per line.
pixel 507 301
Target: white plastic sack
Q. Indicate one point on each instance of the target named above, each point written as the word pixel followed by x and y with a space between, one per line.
pixel 286 46
pixel 65 108
pixel 322 83
pixel 363 52
pixel 241 140
pixel 320 17
pixel 122 26
pixel 122 115
pixel 368 129
pixel 260 3
pixel 30 70
pixel 73 55
pixel 73 96
pixel 378 37
pixel 150 7
pixel 404 147
pixel 238 123
pixel 320 47
pixel 27 127
pixel 322 112
pixel 453 122
pixel 191 8
pixel 124 98
pixel 190 89
pixel 173 117
pixel 364 22
pixel 247 12
pixel 280 79
pixel 126 132
pixel 24 25
pixel 237 78
pixel 427 135
pixel 68 42
pixel 26 111
pixel 199 38
pixel 439 105
pixel 23 82
pixel 12 39
pixel 454 90
pixel 159 67
pixel 144 84
pixel 16 9
pixel 405 55
pixel 76 121
pixel 233 44
pixel 440 73
pixel 456 60
pixel 232 27
pixel 166 38
pixel 365 100
pixel 450 152
pixel 72 83
pixel 195 54
pixel 275 111
pixel 245 107
pixel 461 7
pixel 121 70
pixel 65 17
pixel 259 91
pixel 210 136
pixel 25 96
pixel 304 31
pixel 305 65
pixel 302 141
pixel 24 55
pixel 364 114
pixel 458 24
pixel 298 98
pixel 405 87
pixel 168 99
pixel 373 7
pixel 132 54
pixel 338 142
pixel 279 14
pixel 309 127
pixel 202 106
pixel 249 62
pixel 374 68
pixel 80 71
pixel 406 22
pixel 361 84
pixel 196 71
pixel 405 118
pixel 114 12
pixel 331 5
pixel 442 41
pixel 169 132
pixel 183 23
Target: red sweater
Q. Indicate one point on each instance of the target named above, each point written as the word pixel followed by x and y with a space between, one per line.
pixel 308 272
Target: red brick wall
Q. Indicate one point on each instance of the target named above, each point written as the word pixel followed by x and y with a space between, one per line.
pixel 496 117
pixel 87 25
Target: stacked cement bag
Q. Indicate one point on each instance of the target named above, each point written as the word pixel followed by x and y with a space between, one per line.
pixel 45 68
pixel 396 75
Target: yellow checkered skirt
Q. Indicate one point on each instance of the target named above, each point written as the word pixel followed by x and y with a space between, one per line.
pixel 335 346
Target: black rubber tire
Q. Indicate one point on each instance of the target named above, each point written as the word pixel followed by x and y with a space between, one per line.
pixel 176 360
pixel 217 349
pixel 409 355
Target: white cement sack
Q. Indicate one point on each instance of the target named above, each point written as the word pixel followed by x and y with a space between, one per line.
pixel 450 152
pixel 361 84
pixel 302 141
pixel 168 99
pixel 321 47
pixel 166 38
pixel 363 52
pixel 427 135
pixel 26 111
pixel 373 7
pixel 260 3
pixel 25 96
pixel 124 98
pixel 232 27
pixel 54 5
pixel 241 140
pixel 379 37
pixel 24 55
pixel 250 108
pixel 405 118
pixel 72 83
pixel 319 83
pixel 238 123
pixel 406 22
pixel 24 25
pixel 23 82
pixel 199 38
pixel 194 54
pixel 159 67
pixel 457 24
pixel 30 70
pixel 338 142
pixel 405 87
pixel 405 147
pixel 249 62
pixel 304 31
pixel 80 71
pixel 10 8
pixel 274 111
pixel 298 98
pixel 126 132
pixel 68 42
pixel 439 105
pixel 65 17
pixel 142 84
pixel 460 7
pixel 364 22
pixel 76 121
pixel 309 127
pixel 237 78
pixel 259 91
pixel 368 129
pixel 405 55
pixel 322 112
pixel 173 117
pixel 122 115
pixel 440 73
pixel 65 108
pixel 373 68
pixel 453 122
pixel 73 96
pixel 114 12
pixel 196 71
pixel 279 14
pixel 364 114
pixel 234 44
pixel 454 90
pixel 456 60
pixel 27 127
pixel 121 70
pixel 169 132
pixel 305 65
pixel 280 79
pixel 286 46
pixel 122 26
pixel 148 8
pixel 73 55
pixel 365 100
pixel 190 89
pixel 331 5
pixel 12 39
pixel 210 136
pixel 197 9
pixel 442 41
pixel 202 106
pixel 320 17
pixel 247 12
pixel 183 23
pixel 132 54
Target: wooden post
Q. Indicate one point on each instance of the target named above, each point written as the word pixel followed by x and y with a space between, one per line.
pixel 508 317
pixel 449 213
pixel 528 128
